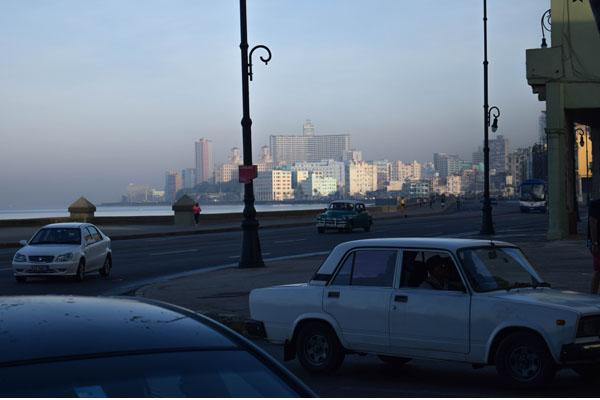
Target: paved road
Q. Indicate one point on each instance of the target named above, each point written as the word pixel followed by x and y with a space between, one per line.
pixel 138 261
pixel 366 376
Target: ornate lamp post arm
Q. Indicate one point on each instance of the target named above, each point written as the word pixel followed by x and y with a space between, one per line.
pixel 265 60
pixel 546 23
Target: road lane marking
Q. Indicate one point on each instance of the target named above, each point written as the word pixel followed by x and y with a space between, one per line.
pixel 236 257
pixel 290 241
pixel 165 253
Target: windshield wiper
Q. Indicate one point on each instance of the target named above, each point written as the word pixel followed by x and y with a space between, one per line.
pixel 519 285
pixel 541 284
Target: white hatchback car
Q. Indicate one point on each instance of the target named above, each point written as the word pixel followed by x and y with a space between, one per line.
pixel 65 249
pixel 474 301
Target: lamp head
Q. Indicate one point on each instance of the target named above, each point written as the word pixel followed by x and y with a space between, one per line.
pixel 495 124
pixel 544 43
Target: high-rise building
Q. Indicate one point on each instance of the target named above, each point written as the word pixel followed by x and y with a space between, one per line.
pixel 499 154
pixel 478 156
pixel 188 177
pixel 204 160
pixel 519 166
pixel 308 147
pixel 352 155
pixel 265 156
pixel 172 185
pixel 446 164
pixel 542 128
pixel 308 129
pixel 384 173
pixel 539 162
pixel 226 173
pixel 137 193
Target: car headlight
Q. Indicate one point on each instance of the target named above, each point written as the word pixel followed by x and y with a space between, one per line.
pixel 589 326
pixel 64 257
pixel 20 258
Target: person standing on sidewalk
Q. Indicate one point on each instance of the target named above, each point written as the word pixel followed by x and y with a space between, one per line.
pixel 594 242
pixel 403 206
pixel 196 211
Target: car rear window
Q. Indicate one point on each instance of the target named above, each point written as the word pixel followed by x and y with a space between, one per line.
pixel 222 373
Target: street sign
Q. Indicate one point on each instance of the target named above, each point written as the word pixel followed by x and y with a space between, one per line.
pixel 247 173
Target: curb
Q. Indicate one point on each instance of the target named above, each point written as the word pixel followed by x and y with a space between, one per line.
pixel 232 321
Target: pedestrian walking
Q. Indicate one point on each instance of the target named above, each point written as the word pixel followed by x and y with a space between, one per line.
pixel 196 211
pixel 419 202
pixel 403 206
pixel 593 242
pixel 443 200
pixel 458 203
pixel 430 201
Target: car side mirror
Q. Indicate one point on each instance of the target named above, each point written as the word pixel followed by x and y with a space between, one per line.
pixel 23 242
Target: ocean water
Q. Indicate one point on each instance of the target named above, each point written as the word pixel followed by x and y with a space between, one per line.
pixel 130 211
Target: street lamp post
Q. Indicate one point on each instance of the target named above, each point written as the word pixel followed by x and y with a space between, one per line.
pixel 251 254
pixel 583 141
pixel 487 224
pixel 546 23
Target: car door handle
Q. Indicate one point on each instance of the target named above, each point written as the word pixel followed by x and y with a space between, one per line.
pixel 400 298
pixel 335 295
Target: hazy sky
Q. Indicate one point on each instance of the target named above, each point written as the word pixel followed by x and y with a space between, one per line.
pixel 99 93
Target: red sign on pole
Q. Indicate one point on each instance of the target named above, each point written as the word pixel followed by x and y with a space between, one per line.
pixel 247 173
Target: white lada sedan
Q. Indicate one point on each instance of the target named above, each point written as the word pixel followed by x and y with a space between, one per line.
pixel 66 249
pixel 474 301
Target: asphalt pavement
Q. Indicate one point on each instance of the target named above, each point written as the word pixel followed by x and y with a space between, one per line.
pixel 141 261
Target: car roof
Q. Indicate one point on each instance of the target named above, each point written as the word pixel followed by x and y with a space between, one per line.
pixel 346 201
pixel 450 244
pixel 67 225
pixel 40 327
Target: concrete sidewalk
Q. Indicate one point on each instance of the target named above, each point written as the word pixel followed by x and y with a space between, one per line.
pixel 10 236
pixel 223 294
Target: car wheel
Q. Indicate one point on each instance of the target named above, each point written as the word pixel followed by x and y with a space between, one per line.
pixel 321 230
pixel 21 279
pixel 394 361
pixel 106 268
pixel 523 360
pixel 589 372
pixel 318 348
pixel 80 275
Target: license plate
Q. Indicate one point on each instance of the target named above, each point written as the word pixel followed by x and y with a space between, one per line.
pixel 39 268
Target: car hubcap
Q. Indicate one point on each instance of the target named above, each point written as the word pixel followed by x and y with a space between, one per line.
pixel 317 349
pixel 525 364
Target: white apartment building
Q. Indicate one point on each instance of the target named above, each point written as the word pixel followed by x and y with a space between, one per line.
pixel 327 168
pixel 317 185
pixel 384 173
pixel 453 185
pixel 361 178
pixel 227 173
pixel 275 185
pixel 402 172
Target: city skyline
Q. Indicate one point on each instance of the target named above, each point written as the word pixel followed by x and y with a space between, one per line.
pixel 153 79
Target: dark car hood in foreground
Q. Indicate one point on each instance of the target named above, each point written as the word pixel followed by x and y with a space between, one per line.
pixel 34 327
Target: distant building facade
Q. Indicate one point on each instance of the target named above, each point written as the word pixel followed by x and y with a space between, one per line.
pixel 274 185
pixel 204 160
pixel 172 185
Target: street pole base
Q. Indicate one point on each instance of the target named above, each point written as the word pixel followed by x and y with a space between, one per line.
pixel 251 252
pixel 487 224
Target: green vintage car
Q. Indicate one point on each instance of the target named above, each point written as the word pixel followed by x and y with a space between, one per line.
pixel 344 215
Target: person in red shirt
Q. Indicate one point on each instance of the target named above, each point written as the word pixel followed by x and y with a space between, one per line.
pixel 196 211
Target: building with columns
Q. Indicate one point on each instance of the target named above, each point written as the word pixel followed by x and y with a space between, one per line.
pixel 566 75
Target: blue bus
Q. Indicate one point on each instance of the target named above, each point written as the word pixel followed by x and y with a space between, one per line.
pixel 533 196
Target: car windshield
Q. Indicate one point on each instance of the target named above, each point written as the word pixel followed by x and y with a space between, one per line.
pixel 223 373
pixel 57 236
pixel 341 206
pixel 496 268
pixel 533 192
